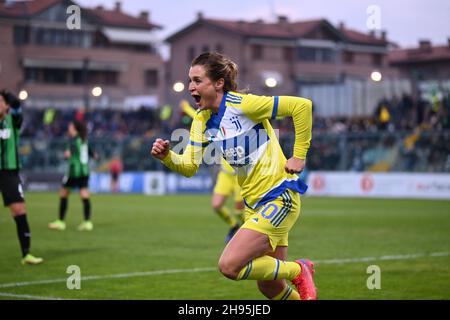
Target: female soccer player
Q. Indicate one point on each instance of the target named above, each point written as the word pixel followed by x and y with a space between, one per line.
pixel 10 184
pixel 226 185
pixel 238 124
pixel 78 154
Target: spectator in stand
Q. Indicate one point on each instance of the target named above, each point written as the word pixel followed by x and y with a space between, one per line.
pixel 383 114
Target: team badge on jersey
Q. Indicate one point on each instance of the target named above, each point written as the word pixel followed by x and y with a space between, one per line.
pixel 235 120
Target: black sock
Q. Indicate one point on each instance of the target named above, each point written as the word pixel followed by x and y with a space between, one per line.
pixel 23 231
pixel 62 208
pixel 87 209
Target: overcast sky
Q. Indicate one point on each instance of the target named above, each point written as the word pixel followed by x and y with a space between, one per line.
pixel 406 21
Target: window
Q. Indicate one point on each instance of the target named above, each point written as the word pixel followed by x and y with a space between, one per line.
pixel 328 55
pixel 320 55
pixel 151 78
pixel 306 54
pixel 31 75
pixel 77 77
pixel 257 52
pixel 21 35
pixel 61 38
pixel 57 76
pixel 70 76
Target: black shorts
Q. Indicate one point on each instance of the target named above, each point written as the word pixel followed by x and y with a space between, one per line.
pixel 11 187
pixel 77 183
pixel 114 176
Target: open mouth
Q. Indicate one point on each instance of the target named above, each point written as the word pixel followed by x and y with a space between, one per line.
pixel 197 98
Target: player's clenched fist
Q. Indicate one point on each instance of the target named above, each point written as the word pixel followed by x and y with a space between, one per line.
pixel 294 165
pixel 160 149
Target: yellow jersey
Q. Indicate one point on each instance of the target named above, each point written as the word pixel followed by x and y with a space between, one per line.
pixel 242 133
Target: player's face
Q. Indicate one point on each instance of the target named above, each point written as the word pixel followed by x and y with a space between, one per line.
pixel 3 107
pixel 72 131
pixel 204 91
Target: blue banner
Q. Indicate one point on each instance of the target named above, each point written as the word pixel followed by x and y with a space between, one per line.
pixel 129 182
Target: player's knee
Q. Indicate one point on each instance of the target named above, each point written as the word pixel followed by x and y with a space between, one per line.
pixel 17 209
pixel 216 206
pixel 84 194
pixel 64 193
pixel 217 201
pixel 228 270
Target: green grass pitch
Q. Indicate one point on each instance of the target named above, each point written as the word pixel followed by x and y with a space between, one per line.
pixel 149 247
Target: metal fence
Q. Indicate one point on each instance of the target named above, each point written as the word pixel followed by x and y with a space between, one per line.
pixel 377 152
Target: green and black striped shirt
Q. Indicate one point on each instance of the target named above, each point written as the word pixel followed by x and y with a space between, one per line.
pixel 79 158
pixel 9 141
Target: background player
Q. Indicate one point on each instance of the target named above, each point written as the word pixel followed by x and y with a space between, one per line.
pixel 10 184
pixel 115 169
pixel 238 124
pixel 77 176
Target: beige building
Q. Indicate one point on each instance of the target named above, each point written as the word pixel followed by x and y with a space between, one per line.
pixel 43 52
pixel 427 66
pixel 284 57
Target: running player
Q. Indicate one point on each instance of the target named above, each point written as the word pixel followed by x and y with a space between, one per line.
pixel 238 124
pixel 77 176
pixel 226 186
pixel 10 184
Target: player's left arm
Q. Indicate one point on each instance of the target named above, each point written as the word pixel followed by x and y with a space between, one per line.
pixel 300 109
pixel 92 153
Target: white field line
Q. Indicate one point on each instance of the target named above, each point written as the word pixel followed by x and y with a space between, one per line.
pixel 27 296
pixel 195 270
pixel 392 257
pixel 109 276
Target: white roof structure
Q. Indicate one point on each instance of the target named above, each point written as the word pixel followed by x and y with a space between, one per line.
pixel 125 35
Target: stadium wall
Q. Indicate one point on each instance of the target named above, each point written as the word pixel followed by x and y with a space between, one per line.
pixel 321 183
pixel 379 185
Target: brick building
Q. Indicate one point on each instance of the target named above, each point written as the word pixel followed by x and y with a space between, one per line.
pixel 302 57
pixel 58 66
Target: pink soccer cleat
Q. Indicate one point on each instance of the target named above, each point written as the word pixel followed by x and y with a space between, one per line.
pixel 304 281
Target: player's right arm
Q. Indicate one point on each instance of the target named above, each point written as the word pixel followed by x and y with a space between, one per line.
pixel 16 109
pixel 69 148
pixel 187 163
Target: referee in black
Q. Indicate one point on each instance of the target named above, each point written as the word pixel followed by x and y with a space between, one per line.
pixel 10 184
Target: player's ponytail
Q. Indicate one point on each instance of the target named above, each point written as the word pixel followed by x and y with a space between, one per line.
pixel 218 66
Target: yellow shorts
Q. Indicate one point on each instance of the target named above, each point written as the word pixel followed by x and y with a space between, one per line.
pixel 227 185
pixel 275 218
